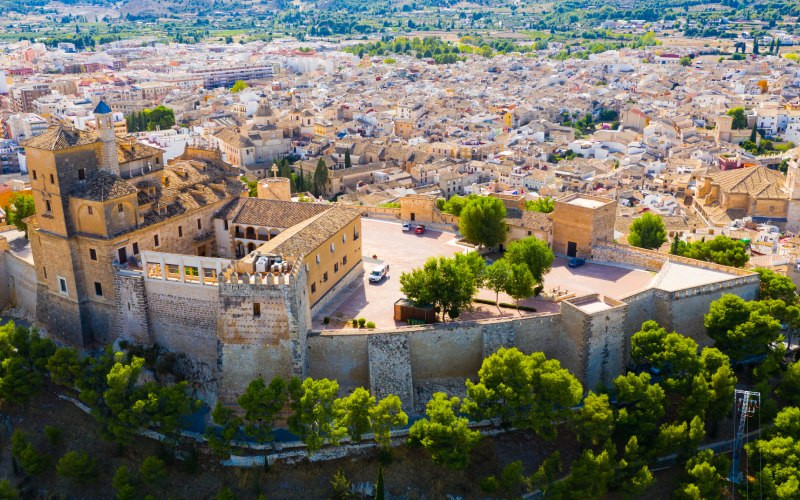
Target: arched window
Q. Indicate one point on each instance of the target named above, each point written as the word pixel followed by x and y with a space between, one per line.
pixel 250 233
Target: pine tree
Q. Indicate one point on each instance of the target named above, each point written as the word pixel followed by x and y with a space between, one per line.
pixel 755 44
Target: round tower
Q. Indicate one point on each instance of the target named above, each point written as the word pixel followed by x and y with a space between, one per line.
pixel 108 159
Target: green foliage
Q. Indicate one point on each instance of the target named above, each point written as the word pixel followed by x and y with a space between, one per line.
pixel 53 434
pixel 648 231
pixel 353 413
pixel 31 461
pixel 642 404
pixel 482 221
pixel 7 490
pixel 77 466
pixel 314 412
pixel 239 85
pixel 340 486
pixel 261 404
pixel 589 476
pixel 546 475
pixel 320 179
pixel 380 493
pixel 445 435
pixel 443 283
pixel 721 250
pixel 152 471
pixel 681 437
pixel 685 61
pixel 226 494
pixel 428 47
pixel 773 459
pixel 123 484
pixel 21 207
pixel 497 277
pixel 533 253
pixel 455 204
pixel 707 477
pixel 385 416
pixel 525 391
pixel 544 204
pixel 776 286
pixel 594 422
pixel 65 366
pixel 158 118
pixel 789 387
pixel 252 186
pixel 739 118
pixel 220 439
pixel 520 283
pixel 23 361
pixel 741 328
pixel 673 355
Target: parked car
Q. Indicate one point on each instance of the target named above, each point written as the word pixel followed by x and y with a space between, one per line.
pixel 576 262
pixel 420 229
pixel 379 272
pixel 406 226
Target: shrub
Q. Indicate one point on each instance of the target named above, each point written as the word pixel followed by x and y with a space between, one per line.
pixel 152 470
pixel 340 486
pixel 77 466
pixel 361 322
pixel 355 323
pixel 31 461
pixel 370 324
pixel 53 434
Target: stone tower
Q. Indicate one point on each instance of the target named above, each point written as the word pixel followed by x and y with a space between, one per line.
pixel 107 159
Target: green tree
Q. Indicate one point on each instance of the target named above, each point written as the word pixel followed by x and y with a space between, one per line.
pixel 239 85
pixel 525 391
pixel 7 490
pixel 123 484
pixel 681 437
pixel 313 416
pixel 65 366
pixel 739 118
pixel 672 354
pixel 347 162
pixel 642 405
pixel 445 435
pixel 686 61
pixel 544 204
pixel 776 286
pixel 648 231
pixel 443 283
pixel 721 250
pixel 261 404
pixel 152 471
pixel 353 413
pixel 21 207
pixel 532 252
pixel 741 328
pixel 23 451
pixel 77 466
pixel 457 203
pixel 220 439
pixel 594 422
pixel 588 477
pixel 385 416
pixel 520 283
pixel 497 277
pixel 340 486
pixel 482 221
pixel 707 477
pixel 320 178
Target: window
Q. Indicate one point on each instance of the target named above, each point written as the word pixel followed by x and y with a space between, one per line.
pixel 135 248
pixel 33 172
pixel 256 309
pixel 355 230
pixel 344 260
pixel 529 233
pixel 123 255
pixel 52 179
pixel 180 231
pixel 44 269
pixel 317 258
pixel 93 254
pixel 199 224
pixel 336 267
pixel 98 289
pixel 119 208
pixel 155 240
pixel 47 206
pixel 225 224
pixel 81 174
pixel 325 277
pixel 62 285
pixel 313 287
pixel 91 210
pixel 344 238
pixel 332 247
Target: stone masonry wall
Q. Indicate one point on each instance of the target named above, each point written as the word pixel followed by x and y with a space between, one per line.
pixel 131 321
pixel 18 278
pixel 390 368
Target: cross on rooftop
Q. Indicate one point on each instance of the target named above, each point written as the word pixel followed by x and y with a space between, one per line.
pixel 274 170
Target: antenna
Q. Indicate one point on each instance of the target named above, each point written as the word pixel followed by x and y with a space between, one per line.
pixel 745 405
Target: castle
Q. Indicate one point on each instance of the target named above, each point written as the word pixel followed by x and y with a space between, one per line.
pixel 126 247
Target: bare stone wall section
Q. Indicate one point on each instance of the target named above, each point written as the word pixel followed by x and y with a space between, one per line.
pixel 390 368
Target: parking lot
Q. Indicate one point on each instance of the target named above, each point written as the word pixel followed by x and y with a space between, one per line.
pixel 403 251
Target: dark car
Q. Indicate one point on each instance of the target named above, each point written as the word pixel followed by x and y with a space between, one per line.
pixel 576 262
pixel 420 229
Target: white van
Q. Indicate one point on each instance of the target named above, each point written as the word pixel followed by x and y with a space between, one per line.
pixel 379 272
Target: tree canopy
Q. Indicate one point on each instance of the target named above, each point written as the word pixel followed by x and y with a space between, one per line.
pixel 445 435
pixel 648 231
pixel 544 204
pixel 534 253
pixel 20 207
pixel 442 282
pixel 721 250
pixel 482 221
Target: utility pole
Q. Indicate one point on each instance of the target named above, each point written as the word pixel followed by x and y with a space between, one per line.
pixel 745 405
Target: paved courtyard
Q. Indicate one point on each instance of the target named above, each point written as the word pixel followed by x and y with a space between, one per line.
pixel 406 251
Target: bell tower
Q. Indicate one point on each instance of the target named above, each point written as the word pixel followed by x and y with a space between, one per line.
pixel 107 159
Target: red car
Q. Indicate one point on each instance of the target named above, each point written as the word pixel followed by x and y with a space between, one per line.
pixel 420 229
